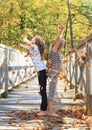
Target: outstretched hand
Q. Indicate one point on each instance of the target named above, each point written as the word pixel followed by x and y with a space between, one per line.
pixel 24 36
pixel 61 28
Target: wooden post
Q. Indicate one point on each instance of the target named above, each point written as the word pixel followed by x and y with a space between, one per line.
pixel 89 79
pixel 5 93
pixel 76 74
pixel 70 72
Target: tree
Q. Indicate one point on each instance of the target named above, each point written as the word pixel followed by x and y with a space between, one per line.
pixel 42 17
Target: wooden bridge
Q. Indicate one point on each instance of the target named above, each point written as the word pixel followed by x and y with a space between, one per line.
pixel 19 102
pixel 19 110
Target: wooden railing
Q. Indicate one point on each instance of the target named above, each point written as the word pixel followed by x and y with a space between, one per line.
pixel 78 66
pixel 14 69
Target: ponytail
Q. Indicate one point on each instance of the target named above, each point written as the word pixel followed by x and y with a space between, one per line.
pixel 40 43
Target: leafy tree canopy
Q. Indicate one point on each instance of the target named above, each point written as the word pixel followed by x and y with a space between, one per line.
pixel 43 17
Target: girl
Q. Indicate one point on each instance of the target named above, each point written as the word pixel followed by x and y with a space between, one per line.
pixel 35 47
pixel 55 68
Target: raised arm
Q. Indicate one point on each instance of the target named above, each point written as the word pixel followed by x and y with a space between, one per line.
pixel 26 47
pixel 28 42
pixel 59 36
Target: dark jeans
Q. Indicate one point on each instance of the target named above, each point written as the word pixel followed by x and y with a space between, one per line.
pixel 42 82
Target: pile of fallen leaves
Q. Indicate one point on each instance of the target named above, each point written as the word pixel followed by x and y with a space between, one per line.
pixel 78 114
pixel 73 111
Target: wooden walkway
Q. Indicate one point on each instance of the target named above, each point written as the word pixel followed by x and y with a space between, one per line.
pixel 19 110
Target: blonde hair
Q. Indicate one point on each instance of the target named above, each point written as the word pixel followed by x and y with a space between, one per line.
pixel 40 43
pixel 60 45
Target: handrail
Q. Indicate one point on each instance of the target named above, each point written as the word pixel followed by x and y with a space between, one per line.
pixel 14 68
pixel 78 67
